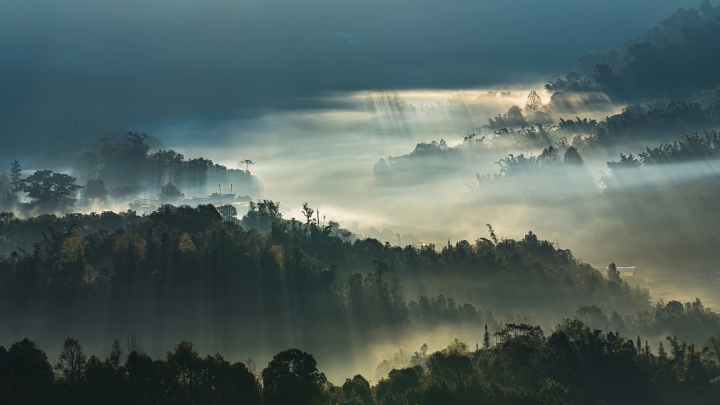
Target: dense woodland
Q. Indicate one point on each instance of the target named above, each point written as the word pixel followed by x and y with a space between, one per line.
pixel 304 275
pixel 518 364
pixel 193 267
pixel 653 65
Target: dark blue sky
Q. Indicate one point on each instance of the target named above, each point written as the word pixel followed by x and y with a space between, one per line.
pixel 74 67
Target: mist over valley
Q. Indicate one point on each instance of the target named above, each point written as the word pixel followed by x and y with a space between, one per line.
pixel 360 202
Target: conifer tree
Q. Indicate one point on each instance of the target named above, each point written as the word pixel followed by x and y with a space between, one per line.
pixel 486 339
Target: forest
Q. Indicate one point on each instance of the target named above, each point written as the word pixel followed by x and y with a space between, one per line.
pixel 307 274
pixel 192 266
pixel 519 364
pixel 539 242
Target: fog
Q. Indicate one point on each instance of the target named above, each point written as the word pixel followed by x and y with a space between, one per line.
pixel 378 115
pixel 326 158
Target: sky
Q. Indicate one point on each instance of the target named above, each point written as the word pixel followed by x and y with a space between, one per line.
pixel 71 69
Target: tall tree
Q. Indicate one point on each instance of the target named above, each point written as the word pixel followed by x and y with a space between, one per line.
pixel 72 361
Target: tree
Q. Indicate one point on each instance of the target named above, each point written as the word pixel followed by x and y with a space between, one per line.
pixel 72 361
pixel 245 164
pixel 307 212
pixel 486 339
pixel 291 378
pixel 592 315
pixel 87 162
pixel 52 190
pixel 186 243
pixel 227 212
pixel 572 156
pixel 613 274
pixel 26 376
pixel 224 383
pixel 261 215
pixel 398 383
pixel 459 347
pixel 7 194
pixel 533 104
pixel 15 172
pixel 116 354
pixel 452 366
pixel 95 190
pixel 184 363
pixel 359 387
pixel 170 192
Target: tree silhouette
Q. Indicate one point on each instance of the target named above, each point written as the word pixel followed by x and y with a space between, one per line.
pixel 50 190
pixel 15 172
pixel 170 192
pixel 292 378
pixel 72 361
pixel 572 157
pixel 95 190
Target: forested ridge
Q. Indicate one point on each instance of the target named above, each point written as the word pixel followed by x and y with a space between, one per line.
pixel 653 65
pixel 185 260
pixel 192 267
pixel 519 364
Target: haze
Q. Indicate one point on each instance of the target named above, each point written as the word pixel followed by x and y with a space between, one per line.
pixel 456 133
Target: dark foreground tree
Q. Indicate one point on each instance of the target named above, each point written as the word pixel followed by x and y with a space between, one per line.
pixel 292 378
pixel 71 365
pixel 26 376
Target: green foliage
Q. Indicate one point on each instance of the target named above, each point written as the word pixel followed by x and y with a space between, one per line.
pixel 227 212
pixel 262 215
pixel 179 255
